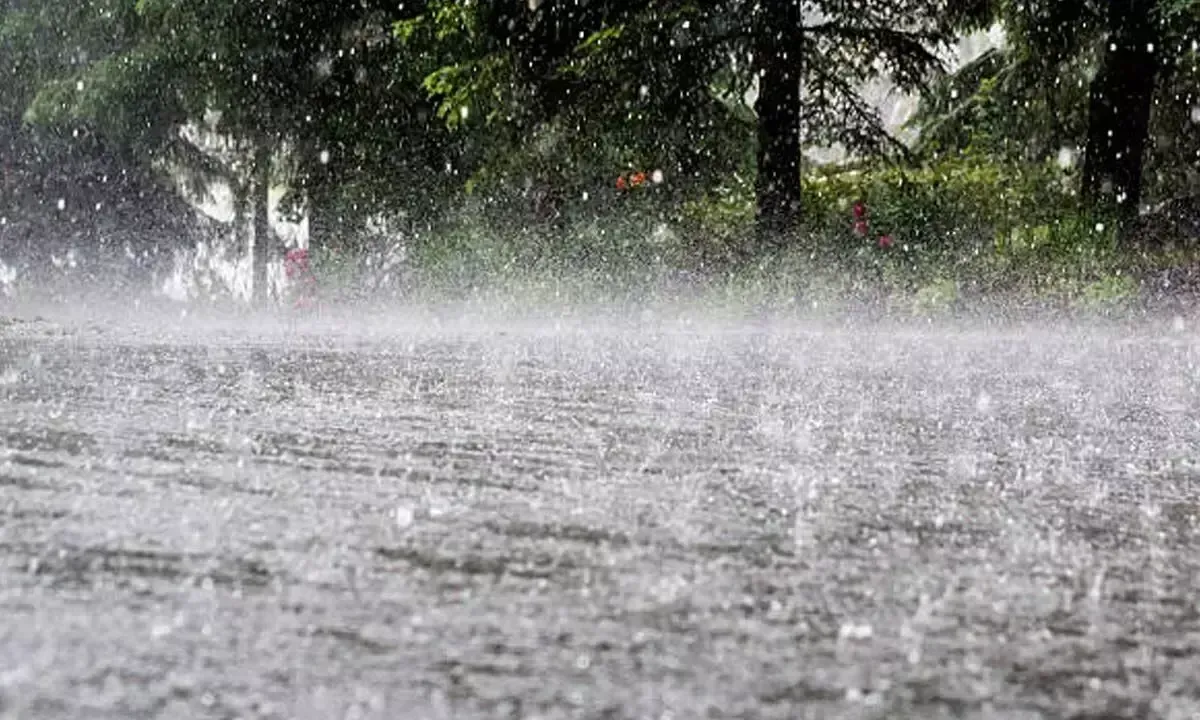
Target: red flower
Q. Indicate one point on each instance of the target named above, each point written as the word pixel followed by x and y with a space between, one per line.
pixel 860 227
pixel 295 262
pixel 886 241
pixel 638 178
pixel 620 182
pixel 860 211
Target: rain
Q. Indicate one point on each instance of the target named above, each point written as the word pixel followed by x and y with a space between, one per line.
pixel 565 359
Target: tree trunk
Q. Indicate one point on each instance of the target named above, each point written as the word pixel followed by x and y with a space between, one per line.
pixel 242 240
pixel 778 57
pixel 261 184
pixel 1121 98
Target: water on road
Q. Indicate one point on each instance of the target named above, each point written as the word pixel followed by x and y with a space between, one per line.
pixel 637 519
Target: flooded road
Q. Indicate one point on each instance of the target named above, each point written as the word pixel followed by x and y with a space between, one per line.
pixel 641 520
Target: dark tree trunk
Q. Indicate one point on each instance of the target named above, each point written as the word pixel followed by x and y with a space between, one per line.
pixel 1121 98
pixel 261 184
pixel 778 59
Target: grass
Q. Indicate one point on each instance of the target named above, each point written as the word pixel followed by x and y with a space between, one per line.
pixel 540 270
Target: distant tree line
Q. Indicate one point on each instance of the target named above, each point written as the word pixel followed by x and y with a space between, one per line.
pixel 373 108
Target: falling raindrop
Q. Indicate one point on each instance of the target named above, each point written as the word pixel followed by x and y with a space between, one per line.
pixel 856 631
pixel 404 516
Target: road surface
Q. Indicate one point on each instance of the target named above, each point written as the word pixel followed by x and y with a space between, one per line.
pixel 651 518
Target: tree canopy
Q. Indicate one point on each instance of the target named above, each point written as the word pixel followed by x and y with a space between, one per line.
pixel 374 108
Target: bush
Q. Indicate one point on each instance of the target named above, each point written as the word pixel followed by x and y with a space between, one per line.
pixel 950 208
pixel 951 228
pixel 958 228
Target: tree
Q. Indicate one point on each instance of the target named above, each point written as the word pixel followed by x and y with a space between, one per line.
pixel 313 95
pixel 675 62
pixel 1119 109
pixel 1113 79
pixel 71 184
pixel 778 43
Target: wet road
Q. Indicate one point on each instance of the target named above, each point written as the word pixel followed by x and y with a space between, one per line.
pixel 644 520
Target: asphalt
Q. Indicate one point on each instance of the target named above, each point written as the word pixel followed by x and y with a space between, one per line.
pixel 649 518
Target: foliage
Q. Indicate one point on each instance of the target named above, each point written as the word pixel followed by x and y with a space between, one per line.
pixel 1029 99
pixel 962 226
pixel 615 85
pixel 489 135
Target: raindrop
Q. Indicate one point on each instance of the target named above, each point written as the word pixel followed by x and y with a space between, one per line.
pixel 1099 227
pixel 79 85
pixel 404 516
pixel 62 204
pixel 324 157
pixel 855 631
